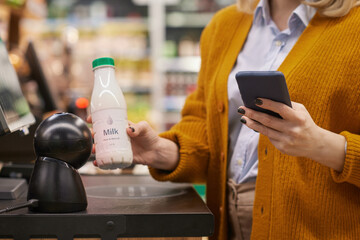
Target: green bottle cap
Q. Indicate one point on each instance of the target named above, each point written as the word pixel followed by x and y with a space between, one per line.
pixel 104 61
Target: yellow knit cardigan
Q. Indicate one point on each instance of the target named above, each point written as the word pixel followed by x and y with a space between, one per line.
pixel 296 198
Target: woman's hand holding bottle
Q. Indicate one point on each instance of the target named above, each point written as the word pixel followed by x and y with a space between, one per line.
pixel 150 149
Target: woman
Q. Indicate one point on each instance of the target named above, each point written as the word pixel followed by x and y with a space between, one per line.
pixel 306 165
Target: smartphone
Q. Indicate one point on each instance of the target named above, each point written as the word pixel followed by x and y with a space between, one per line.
pixel 263 84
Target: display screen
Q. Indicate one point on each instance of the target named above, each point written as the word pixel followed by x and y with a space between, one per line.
pixel 14 110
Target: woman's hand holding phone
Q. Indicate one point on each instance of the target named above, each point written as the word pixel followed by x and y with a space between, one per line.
pixel 296 134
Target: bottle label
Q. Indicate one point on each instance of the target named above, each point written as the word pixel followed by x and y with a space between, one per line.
pixel 109 127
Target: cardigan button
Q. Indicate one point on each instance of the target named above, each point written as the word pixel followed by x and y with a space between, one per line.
pixel 222 157
pixel 221 107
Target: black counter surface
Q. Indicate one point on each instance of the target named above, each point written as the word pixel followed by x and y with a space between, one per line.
pixel 118 206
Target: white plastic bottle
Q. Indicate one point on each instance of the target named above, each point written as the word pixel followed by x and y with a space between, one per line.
pixel 109 118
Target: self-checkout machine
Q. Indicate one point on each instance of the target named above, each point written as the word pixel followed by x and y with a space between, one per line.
pixel 60 203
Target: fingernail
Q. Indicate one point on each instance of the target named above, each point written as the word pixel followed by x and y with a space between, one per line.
pixel 241 111
pixel 132 129
pixel 243 120
pixel 258 101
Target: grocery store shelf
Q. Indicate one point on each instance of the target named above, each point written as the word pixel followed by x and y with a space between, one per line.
pixel 181 64
pixel 174 103
pixel 188 20
pixel 136 90
pixel 109 26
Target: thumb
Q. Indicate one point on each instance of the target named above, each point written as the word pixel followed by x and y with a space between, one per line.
pixel 136 129
pixel 130 130
pixel 89 119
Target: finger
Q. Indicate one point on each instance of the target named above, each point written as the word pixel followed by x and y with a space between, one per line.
pixel 95 163
pixel 282 109
pixel 265 119
pixel 92 132
pixel 136 129
pixel 267 131
pixel 89 119
pixel 298 107
pixel 131 131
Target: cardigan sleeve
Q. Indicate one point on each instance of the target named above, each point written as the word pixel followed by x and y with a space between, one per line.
pixel 191 132
pixel 351 171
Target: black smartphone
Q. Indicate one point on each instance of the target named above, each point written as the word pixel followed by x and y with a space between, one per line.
pixel 263 84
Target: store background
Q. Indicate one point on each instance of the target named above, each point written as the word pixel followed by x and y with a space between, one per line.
pixel 155 44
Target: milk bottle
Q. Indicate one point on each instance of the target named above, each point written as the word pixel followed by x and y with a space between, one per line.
pixel 109 117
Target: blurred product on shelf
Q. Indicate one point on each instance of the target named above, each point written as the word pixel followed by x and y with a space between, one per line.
pixel 78 106
pixel 200 5
pixel 178 86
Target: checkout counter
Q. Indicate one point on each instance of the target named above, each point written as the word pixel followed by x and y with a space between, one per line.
pixel 118 206
pixel 124 206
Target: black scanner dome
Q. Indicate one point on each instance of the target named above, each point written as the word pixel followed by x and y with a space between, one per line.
pixel 66 137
